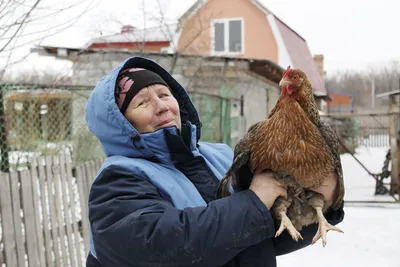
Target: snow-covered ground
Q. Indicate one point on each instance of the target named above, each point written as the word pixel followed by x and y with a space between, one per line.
pixel 371 234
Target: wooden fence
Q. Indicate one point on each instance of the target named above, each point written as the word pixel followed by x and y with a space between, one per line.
pixel 44 214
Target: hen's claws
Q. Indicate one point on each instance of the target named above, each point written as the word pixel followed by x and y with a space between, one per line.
pixel 323 228
pixel 287 224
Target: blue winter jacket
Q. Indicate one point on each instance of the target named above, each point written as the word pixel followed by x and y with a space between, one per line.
pixel 152 203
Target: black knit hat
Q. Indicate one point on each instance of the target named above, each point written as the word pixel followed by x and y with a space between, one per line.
pixel 130 82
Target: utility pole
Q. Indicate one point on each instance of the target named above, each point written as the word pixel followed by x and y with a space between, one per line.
pixel 373 93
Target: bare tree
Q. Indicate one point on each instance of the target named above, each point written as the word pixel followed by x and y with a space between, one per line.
pixel 198 28
pixel 359 84
pixel 27 22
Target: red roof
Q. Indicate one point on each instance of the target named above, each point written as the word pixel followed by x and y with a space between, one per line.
pixel 300 56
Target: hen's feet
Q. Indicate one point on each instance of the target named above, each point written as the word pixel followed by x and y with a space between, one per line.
pixel 287 224
pixel 323 227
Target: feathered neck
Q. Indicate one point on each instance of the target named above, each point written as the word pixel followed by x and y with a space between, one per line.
pixel 307 102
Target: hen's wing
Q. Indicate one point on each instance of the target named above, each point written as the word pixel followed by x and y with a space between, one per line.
pixel 333 142
pixel 239 174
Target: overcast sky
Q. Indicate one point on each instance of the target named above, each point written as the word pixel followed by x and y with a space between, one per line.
pixel 352 34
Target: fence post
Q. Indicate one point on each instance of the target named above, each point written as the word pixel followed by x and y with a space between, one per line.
pixel 4 148
pixel 395 179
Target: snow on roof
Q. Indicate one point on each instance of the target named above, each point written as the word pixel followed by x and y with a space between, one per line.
pixel 155 34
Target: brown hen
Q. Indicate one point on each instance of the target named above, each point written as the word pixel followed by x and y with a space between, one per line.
pixel 300 149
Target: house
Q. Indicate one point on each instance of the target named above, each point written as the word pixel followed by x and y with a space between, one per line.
pixel 340 102
pixel 246 29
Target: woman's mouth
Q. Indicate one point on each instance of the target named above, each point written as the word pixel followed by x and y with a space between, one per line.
pixel 166 123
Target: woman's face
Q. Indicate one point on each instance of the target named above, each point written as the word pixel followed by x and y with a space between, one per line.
pixel 152 108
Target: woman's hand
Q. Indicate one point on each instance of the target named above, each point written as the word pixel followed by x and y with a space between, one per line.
pixel 267 188
pixel 328 189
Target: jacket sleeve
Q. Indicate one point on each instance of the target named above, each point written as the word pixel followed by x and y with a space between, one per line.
pixel 285 244
pixel 132 224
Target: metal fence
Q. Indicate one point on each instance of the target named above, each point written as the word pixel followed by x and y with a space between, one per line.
pixel 368 130
pixel 41 120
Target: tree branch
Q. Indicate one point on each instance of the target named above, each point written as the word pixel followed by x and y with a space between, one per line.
pixel 20 26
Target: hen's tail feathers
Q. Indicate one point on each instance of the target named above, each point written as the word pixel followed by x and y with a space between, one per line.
pixel 339 190
pixel 236 177
pixel 332 141
pixel 223 189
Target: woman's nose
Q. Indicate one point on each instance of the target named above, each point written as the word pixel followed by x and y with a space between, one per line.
pixel 161 106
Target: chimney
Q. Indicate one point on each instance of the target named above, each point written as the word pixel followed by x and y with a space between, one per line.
pixel 127 28
pixel 319 63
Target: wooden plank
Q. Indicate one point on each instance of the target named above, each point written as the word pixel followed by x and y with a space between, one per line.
pixel 84 205
pixel 2 252
pixel 84 178
pixel 99 162
pixel 16 206
pixel 390 93
pixel 89 175
pixel 52 195
pixel 37 211
pixel 59 212
pixel 93 172
pixel 29 218
pixel 67 207
pixel 96 164
pixel 10 247
pixel 73 196
pixel 44 195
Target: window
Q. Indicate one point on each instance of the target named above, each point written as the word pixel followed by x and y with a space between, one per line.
pixel 227 36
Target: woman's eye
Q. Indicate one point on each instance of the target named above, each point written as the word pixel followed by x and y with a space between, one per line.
pixel 141 103
pixel 163 95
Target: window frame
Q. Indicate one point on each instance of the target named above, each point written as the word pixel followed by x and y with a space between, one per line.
pixel 226 37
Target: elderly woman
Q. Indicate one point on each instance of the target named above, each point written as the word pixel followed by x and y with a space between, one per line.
pixel 153 201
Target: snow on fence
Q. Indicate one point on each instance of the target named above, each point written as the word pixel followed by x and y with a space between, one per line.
pixel 44 215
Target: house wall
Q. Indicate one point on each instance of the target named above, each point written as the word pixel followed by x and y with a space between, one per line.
pixel 259 41
pixel 339 100
pixel 340 103
pixel 200 76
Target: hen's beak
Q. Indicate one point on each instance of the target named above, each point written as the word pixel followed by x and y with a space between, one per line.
pixel 283 84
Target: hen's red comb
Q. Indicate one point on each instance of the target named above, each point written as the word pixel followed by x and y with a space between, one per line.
pixel 286 73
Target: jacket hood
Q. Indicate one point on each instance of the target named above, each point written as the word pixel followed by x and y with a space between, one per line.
pixel 116 134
